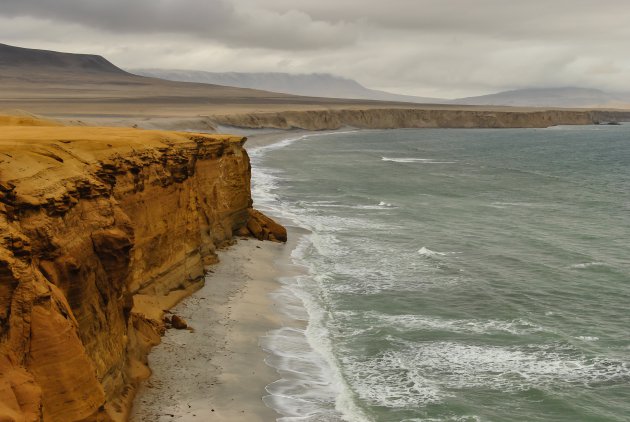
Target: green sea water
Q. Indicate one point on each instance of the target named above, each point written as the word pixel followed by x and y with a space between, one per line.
pixel 454 275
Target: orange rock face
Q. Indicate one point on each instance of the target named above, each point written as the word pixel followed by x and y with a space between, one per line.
pixel 90 220
pixel 264 228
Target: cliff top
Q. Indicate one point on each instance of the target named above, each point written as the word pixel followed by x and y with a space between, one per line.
pixel 40 157
pixel 101 229
pixel 89 144
pixel 26 120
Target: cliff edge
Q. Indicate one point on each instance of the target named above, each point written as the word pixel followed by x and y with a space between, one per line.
pixel 396 118
pixel 102 229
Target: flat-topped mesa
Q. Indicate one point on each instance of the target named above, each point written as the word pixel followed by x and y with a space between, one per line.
pixel 102 229
pixel 396 118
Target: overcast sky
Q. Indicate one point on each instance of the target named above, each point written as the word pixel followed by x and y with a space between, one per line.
pixel 440 48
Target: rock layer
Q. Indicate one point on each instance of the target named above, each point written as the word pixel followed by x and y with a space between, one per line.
pixel 394 118
pixel 263 228
pixel 102 229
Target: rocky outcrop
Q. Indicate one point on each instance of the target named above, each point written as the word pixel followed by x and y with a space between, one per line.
pixel 102 229
pixel 178 323
pixel 393 118
pixel 263 228
pixel 605 116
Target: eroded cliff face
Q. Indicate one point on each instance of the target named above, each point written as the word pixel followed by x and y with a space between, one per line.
pixel 393 118
pixel 101 229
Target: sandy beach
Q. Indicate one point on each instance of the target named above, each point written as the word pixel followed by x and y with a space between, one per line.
pixel 216 371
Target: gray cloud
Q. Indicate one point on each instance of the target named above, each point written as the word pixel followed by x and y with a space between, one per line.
pixel 532 18
pixel 206 19
pixel 423 47
pixel 130 16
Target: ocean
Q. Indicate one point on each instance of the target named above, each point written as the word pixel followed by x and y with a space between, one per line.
pixel 452 275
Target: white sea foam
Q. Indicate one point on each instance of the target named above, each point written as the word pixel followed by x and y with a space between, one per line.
pixel 336 259
pixel 388 381
pixel 516 204
pixel 265 182
pixel 423 373
pixel 586 265
pixel 292 306
pixel 421 322
pixel 464 418
pixel 334 204
pixel 587 338
pixel 312 387
pixel 405 271
pixel 416 160
pixel 504 205
pixel 428 252
pixel 257 152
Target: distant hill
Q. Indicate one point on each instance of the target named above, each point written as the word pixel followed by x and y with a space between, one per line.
pixel 312 85
pixel 551 97
pixel 46 71
pixel 39 61
pixel 331 86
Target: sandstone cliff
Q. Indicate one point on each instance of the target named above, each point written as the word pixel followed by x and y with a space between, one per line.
pixel 101 229
pixel 393 118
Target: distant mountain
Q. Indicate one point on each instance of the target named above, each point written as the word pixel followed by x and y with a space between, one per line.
pixel 331 86
pixel 25 64
pixel 27 60
pixel 570 97
pixel 312 85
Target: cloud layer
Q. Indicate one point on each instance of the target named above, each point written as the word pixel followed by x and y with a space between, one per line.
pixel 442 48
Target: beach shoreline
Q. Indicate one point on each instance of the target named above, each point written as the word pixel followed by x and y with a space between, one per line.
pixel 217 370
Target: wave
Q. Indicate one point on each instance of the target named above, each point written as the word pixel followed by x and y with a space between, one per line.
pixel 312 387
pixel 306 382
pixel 416 160
pixel 260 150
pixel 586 265
pixel 517 204
pixel 334 204
pixel 464 418
pixel 587 338
pixel 419 374
pixel 421 322
pixel 429 253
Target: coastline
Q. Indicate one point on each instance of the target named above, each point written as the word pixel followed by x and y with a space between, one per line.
pixel 217 370
pixel 132 230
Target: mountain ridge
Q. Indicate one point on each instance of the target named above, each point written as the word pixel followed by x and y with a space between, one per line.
pixel 323 85
pixel 569 96
pixel 333 86
pixel 35 59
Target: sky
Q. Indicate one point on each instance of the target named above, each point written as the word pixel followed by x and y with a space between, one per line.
pixel 432 48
